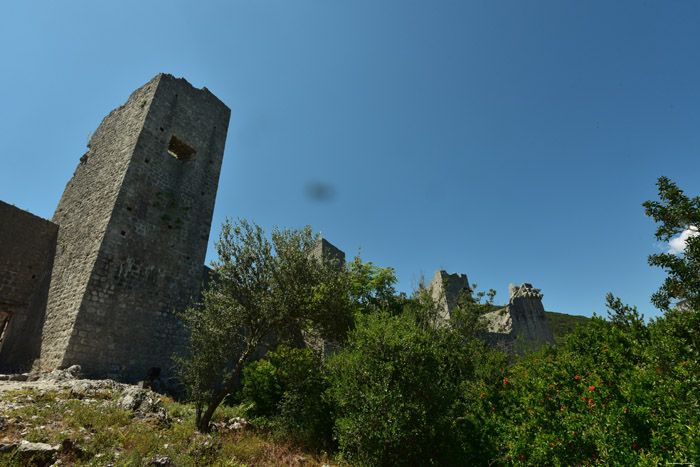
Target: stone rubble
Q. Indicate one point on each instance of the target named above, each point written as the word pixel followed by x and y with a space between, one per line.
pixel 147 407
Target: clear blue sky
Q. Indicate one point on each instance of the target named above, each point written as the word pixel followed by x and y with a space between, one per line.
pixel 513 141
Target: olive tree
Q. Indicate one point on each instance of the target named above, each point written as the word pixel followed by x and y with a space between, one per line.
pixel 263 290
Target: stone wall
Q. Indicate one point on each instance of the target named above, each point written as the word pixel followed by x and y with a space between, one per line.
pixel 135 221
pixel 27 246
pixel 523 323
pixel 447 290
pixel 325 250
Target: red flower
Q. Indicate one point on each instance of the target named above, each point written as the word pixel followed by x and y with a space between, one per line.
pixel 591 388
pixel 493 408
pixel 576 377
pixel 663 447
pixel 505 381
pixel 552 444
pixel 574 433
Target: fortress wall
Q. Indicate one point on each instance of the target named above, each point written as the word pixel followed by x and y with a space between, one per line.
pixel 27 246
pixel 149 262
pixel 83 214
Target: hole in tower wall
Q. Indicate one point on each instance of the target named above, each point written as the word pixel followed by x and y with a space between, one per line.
pixel 181 150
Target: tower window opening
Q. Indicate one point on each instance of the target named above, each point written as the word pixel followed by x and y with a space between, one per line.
pixel 181 150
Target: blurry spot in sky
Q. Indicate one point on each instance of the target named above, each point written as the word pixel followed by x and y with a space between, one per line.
pixel 319 191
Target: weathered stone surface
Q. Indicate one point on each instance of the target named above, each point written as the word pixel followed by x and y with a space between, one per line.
pixel 145 404
pixel 38 453
pixel 27 247
pixel 18 377
pixel 231 424
pixel 446 290
pixel 158 461
pixel 521 324
pixel 523 318
pixel 325 250
pixel 8 447
pixel 99 284
pixel 68 374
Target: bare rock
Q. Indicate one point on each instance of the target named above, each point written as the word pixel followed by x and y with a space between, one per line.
pixel 37 453
pixel 145 404
pixel 231 424
pixel 8 447
pixel 68 374
pixel 158 461
pixel 18 377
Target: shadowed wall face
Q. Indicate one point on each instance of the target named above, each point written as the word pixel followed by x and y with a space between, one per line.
pixel 27 246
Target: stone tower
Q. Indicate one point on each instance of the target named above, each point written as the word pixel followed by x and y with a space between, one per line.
pixel 523 318
pixel 134 225
pixel 447 290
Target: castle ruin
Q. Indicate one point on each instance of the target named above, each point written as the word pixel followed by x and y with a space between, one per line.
pixel 521 324
pixel 99 284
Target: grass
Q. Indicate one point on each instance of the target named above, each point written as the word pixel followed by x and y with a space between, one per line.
pixel 93 431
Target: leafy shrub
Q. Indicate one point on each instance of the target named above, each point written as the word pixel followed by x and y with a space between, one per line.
pixel 286 390
pixel 612 394
pixel 397 393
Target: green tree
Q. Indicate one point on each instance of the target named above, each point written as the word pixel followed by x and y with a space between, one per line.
pixel 263 290
pixel 372 288
pixel 676 213
pixel 398 388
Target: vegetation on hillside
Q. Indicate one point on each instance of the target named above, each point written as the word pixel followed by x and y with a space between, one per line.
pixel 403 388
pixel 563 324
pixel 92 429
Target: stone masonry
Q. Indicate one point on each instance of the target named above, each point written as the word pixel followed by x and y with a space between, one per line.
pixel 446 290
pixel 523 317
pixel 27 247
pixel 133 227
pixel 522 323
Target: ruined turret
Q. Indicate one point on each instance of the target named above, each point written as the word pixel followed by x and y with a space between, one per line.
pixel 446 290
pixel 521 324
pixel 523 318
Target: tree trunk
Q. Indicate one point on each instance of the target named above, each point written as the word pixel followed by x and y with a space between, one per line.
pixel 203 423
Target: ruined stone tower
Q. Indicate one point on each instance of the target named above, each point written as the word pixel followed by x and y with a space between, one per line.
pixel 523 318
pixel 447 289
pixel 134 225
pixel 520 325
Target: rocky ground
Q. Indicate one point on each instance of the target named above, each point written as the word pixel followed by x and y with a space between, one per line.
pixel 66 410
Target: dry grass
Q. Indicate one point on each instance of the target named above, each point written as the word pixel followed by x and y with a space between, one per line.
pixel 95 432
